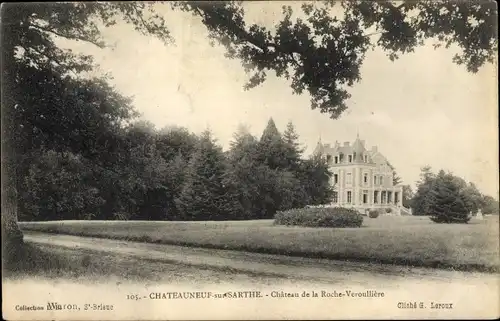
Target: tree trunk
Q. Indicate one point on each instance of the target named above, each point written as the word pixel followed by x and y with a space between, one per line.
pixel 12 237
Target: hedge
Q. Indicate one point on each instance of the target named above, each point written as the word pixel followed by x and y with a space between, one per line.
pixel 319 217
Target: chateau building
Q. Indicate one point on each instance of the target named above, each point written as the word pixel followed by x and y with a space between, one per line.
pixel 362 178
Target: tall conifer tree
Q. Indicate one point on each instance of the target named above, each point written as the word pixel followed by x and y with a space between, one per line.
pixel 203 195
pixel 272 150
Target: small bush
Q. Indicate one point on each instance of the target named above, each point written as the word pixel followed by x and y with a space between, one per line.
pixel 373 213
pixel 319 217
pixel 388 210
pixel 449 219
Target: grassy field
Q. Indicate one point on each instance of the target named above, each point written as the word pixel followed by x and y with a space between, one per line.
pixel 414 241
pixel 54 262
pixel 47 262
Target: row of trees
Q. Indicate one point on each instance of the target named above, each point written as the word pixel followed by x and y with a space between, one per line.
pixel 449 198
pixel 173 174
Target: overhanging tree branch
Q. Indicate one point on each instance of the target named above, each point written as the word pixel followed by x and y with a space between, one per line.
pixel 67 36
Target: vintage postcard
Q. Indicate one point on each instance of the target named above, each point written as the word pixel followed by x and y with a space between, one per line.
pixel 258 160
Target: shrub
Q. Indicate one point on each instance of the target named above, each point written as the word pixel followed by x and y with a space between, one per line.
pixel 449 219
pixel 388 210
pixel 319 217
pixel 373 213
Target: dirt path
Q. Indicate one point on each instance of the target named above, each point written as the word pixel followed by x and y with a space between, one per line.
pixel 314 271
pixel 174 269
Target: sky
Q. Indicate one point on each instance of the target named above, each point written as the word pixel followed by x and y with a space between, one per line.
pixel 419 110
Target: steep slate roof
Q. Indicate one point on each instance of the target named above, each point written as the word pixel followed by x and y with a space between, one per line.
pixel 319 149
pixel 357 147
pixel 377 157
pixel 336 149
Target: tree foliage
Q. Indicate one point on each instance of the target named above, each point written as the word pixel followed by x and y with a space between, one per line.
pixel 447 203
pixel 271 175
pixel 321 49
pixel 407 196
pixel 396 180
pixel 204 195
pixel 420 201
pixel 45 102
pixel 48 104
pixel 293 149
pixel 448 198
pixel 490 205
pixel 315 177
pixel 161 175
pixel 243 172
pixel 272 150
pixel 58 187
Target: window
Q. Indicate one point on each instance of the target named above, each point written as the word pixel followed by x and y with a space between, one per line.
pixel 365 178
pixel 381 180
pixel 366 158
pixel 336 159
pixel 374 180
pixel 341 157
pixel 349 178
pixel 375 197
pixel 350 158
pixel 328 159
pixel 335 197
pixel 389 197
pixel 384 198
pixel 335 178
pixel 396 197
pixel 349 197
pixel 365 197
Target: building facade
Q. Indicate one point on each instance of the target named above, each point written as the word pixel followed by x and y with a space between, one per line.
pixel 362 178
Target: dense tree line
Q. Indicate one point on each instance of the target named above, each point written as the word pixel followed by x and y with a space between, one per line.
pixel 450 198
pixel 173 174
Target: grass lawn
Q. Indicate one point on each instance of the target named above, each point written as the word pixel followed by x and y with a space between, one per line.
pixel 404 240
pixel 47 262
pixel 56 262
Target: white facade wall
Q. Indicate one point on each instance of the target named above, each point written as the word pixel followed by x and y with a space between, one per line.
pixel 356 185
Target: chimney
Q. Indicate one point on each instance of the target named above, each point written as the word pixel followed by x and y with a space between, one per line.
pixel 327 146
pixel 337 144
pixel 374 149
pixel 346 144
